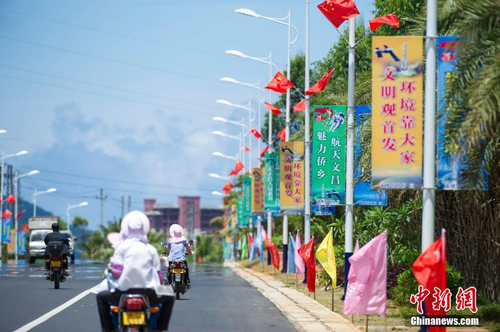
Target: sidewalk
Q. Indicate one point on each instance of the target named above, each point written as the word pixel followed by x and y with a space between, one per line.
pixel 304 313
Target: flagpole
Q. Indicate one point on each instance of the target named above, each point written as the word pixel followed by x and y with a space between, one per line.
pixel 349 192
pixel 307 147
pixel 271 150
pixel 366 323
pixel 428 190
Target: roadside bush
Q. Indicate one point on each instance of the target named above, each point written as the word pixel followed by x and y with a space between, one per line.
pixel 490 313
pixel 209 249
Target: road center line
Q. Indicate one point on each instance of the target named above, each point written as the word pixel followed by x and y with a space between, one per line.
pixel 55 311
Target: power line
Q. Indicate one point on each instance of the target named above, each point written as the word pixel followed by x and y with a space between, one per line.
pixel 126 63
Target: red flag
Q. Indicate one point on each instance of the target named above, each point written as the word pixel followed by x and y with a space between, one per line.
pixel 282 134
pixel 390 19
pixel 338 11
pixel 256 133
pixel 307 253
pixel 321 85
pixel 300 106
pixel 25 228
pixel 239 166
pixel 227 187
pixel 11 199
pixel 246 149
pixel 275 256
pixel 264 151
pixel 250 241
pixel 232 173
pixel 20 213
pixel 272 108
pixel 430 271
pixel 6 214
pixel 279 83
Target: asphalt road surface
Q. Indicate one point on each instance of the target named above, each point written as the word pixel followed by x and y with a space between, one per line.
pixel 219 300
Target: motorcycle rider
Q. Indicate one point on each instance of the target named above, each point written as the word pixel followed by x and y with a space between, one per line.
pixel 56 236
pixel 136 269
pixel 176 246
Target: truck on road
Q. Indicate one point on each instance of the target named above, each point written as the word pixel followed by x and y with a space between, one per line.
pixel 40 227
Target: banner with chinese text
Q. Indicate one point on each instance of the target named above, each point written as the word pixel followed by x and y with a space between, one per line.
pixel 328 159
pixel 292 177
pixel 364 195
pixel 257 190
pixel 450 167
pixel 6 228
pixel 247 199
pixel 272 176
pixel 397 100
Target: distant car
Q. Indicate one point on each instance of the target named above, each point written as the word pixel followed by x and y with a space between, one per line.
pixel 37 246
pixel 71 245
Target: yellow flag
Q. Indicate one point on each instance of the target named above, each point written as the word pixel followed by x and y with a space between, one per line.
pixel 326 256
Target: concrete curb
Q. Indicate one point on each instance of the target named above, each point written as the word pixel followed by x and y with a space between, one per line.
pixel 304 313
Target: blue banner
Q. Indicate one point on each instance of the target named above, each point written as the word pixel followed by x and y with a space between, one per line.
pixel 6 226
pixel 450 168
pixel 21 242
pixel 363 193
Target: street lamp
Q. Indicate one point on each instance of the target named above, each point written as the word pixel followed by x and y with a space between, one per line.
pixel 71 207
pixel 3 131
pixel 5 156
pixel 217 176
pixel 220 154
pixel 221 119
pixel 218 193
pixel 18 176
pixel 287 20
pixel 38 193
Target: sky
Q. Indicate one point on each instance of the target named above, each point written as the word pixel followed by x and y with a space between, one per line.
pixel 120 94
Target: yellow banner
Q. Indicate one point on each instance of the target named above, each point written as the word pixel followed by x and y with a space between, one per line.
pixel 292 177
pixel 257 190
pixel 397 101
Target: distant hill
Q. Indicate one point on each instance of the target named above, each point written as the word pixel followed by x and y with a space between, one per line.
pixel 40 212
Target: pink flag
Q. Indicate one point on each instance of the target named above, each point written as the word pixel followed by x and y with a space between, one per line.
pixel 367 289
pixel 299 262
pixel 264 234
pixel 356 248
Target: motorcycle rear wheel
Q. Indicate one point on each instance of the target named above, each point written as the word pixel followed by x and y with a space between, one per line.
pixel 177 290
pixel 56 279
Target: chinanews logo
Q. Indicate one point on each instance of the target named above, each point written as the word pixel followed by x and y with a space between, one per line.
pixel 441 301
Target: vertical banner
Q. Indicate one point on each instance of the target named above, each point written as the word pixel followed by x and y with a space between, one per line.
pixel 6 227
pixel 292 177
pixel 240 208
pixel 21 242
pixel 328 159
pixel 449 167
pixel 363 193
pixel 397 100
pixel 247 200
pixel 257 191
pixel 272 176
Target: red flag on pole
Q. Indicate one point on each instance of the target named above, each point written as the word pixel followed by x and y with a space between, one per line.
pixel 390 19
pixel 6 214
pixel 279 83
pixel 300 106
pixel 11 199
pixel 275 256
pixel 272 108
pixel 264 151
pixel 227 188
pixel 247 149
pixel 430 271
pixel 338 11
pixel 239 166
pixel 307 253
pixel 20 213
pixel 256 133
pixel 282 134
pixel 321 85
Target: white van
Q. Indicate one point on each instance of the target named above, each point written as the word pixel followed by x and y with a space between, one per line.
pixel 37 246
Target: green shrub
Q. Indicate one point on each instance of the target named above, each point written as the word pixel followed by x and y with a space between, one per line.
pixel 490 313
pixel 209 248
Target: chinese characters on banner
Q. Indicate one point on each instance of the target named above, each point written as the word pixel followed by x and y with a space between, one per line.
pixel 247 199
pixel 272 175
pixel 257 191
pixel 397 93
pixel 21 242
pixel 328 159
pixel 449 167
pixel 6 227
pixel 363 193
pixel 292 177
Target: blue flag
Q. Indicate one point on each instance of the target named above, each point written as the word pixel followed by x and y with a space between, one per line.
pixel 6 226
pixel 291 256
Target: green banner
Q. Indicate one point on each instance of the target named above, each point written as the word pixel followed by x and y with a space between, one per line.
pixel 272 180
pixel 328 158
pixel 240 208
pixel 247 199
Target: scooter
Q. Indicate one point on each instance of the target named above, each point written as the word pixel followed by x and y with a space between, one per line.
pixel 177 276
pixel 57 262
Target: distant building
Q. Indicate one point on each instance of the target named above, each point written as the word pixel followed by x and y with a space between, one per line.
pixel 188 213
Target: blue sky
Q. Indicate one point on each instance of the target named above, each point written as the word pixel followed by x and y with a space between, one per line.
pixel 119 94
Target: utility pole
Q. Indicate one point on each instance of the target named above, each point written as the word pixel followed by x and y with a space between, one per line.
pixel 129 203
pixel 123 206
pixel 102 198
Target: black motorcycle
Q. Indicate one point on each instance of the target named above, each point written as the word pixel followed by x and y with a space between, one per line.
pixel 57 263
pixel 177 275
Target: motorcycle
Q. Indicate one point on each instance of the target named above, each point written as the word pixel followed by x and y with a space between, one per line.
pixel 177 275
pixel 57 262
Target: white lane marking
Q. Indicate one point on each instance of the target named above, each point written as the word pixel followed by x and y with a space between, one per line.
pixel 54 312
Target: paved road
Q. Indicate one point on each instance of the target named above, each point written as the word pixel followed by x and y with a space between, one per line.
pixel 219 300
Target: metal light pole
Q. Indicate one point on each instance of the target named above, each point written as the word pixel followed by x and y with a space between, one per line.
pixel 38 193
pixel 16 184
pixel 71 207
pixel 4 156
pixel 428 190
pixel 307 143
pixel 282 21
